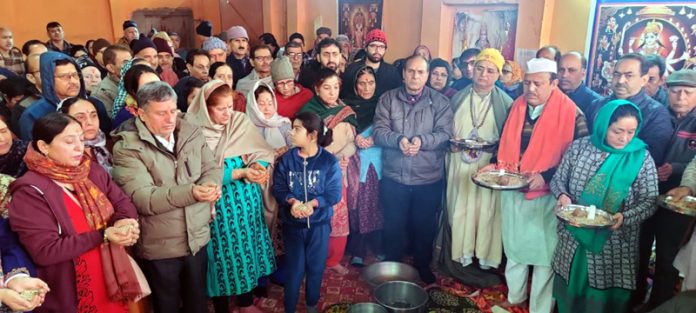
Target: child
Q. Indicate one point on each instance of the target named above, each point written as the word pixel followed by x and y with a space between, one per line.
pixel 306 183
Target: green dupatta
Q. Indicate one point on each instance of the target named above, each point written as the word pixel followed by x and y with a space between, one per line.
pixel 610 185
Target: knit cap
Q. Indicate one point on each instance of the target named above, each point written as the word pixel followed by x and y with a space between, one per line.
pixel 491 55
pixel 129 23
pixel 162 45
pixel 214 43
pixel 281 69
pixel 141 43
pixel 235 32
pixel 376 35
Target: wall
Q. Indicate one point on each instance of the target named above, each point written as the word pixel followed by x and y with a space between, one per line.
pixel 568 31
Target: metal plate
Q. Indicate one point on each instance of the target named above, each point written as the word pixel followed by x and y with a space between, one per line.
pixel 473 144
pixel 564 213
pixel 686 205
pixel 490 179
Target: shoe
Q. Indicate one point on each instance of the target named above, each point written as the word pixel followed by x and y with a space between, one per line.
pixel 357 261
pixel 427 276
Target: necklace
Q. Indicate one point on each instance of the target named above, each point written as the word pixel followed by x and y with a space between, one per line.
pixel 478 124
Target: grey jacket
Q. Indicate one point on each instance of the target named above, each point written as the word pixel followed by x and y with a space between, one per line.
pixel 429 118
pixel 173 224
pixel 681 149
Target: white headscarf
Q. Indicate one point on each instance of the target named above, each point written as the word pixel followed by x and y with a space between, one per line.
pixel 270 127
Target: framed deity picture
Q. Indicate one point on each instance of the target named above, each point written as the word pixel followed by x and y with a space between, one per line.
pixel 357 17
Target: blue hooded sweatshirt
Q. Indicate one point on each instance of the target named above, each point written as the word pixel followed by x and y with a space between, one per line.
pixel 322 177
pixel 49 100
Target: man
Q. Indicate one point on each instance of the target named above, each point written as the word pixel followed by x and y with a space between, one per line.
pixel 10 58
pixel 238 60
pixel 299 39
pixel 56 38
pixel 261 58
pixel 165 165
pixel 34 70
pixel 550 53
pixel 293 51
pixel 60 80
pixel 198 64
pixel 670 227
pixel 346 46
pixel 33 46
pixel 656 79
pixel 542 123
pixel 176 41
pixel 629 77
pixel 130 33
pixel 571 73
pixel 144 48
pixel 412 124
pixel 387 77
pixel 466 65
pixel 216 48
pixel 291 97
pixel 321 34
pixel 329 55
pixel 114 58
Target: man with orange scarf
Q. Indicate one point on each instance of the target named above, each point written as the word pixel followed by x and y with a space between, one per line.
pixel 540 127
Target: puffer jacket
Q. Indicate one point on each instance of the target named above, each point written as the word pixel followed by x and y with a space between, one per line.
pixel 430 118
pixel 173 224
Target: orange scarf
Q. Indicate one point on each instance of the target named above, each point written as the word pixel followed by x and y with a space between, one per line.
pixel 121 282
pixel 553 132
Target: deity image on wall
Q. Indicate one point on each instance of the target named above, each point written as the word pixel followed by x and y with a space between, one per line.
pixel 357 18
pixel 485 27
pixel 647 28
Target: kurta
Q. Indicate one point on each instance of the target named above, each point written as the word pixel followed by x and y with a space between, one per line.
pixel 240 250
pixel 473 211
pixel 343 146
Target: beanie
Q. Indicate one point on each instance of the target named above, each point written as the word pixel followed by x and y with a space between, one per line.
pixel 235 32
pixel 214 43
pixel 376 35
pixel 141 43
pixel 129 23
pixel 162 45
pixel 281 69
pixel 205 29
pixel 491 55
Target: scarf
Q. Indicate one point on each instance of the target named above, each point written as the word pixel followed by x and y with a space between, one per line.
pixel 120 100
pixel 516 73
pixel 99 151
pixel 11 163
pixel 239 137
pixel 331 115
pixel 121 282
pixel 270 126
pixel 608 188
pixel 553 132
pixel 364 108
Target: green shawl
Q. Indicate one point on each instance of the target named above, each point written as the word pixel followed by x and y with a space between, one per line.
pixel 612 182
pixel 331 115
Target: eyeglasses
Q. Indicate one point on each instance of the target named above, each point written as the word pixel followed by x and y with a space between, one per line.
pixel 294 55
pixel 377 46
pixel 284 84
pixel 263 58
pixel 68 76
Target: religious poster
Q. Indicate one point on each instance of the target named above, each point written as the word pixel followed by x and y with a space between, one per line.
pixel 664 28
pixel 485 26
pixel 357 18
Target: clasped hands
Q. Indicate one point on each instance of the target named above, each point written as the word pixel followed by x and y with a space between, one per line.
pixel 125 232
pixel 410 147
pixel 300 209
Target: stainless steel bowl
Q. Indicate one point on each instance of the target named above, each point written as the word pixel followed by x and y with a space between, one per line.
pixel 402 296
pixel 382 272
pixel 367 307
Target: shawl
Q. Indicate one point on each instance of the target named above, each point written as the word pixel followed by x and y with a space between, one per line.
pixel 239 137
pixel 608 188
pixel 288 107
pixel 364 108
pixel 121 95
pixel 553 132
pixel 99 151
pixel 12 163
pixel 331 115
pixel 270 127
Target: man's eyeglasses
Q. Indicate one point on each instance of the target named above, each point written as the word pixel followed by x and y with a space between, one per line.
pixel 294 55
pixel 68 76
pixel 263 58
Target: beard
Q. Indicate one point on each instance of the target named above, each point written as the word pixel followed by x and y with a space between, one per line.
pixel 375 58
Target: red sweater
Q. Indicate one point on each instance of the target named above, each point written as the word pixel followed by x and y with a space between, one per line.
pixel 290 106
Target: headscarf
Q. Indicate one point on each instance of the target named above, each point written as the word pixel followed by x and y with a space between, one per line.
pixel 608 188
pixel 122 97
pixel 122 284
pixel 99 151
pixel 12 163
pixel 331 115
pixel 364 108
pixel 271 126
pixel 516 72
pixel 441 63
pixel 239 137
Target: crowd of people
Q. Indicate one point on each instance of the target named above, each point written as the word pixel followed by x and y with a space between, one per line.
pixel 143 168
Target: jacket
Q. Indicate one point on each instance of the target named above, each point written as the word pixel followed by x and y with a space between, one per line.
pixel 322 177
pixel 106 92
pixel 49 101
pixel 583 97
pixel 172 223
pixel 40 219
pixel 429 118
pixel 681 149
pixel 656 129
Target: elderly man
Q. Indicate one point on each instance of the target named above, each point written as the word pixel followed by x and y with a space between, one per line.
pixel 114 58
pixel 670 227
pixel 293 51
pixel 571 73
pixel 130 33
pixel 10 58
pixel 386 75
pixel 480 111
pixel 144 48
pixel 238 59
pixel 328 56
pixel 656 79
pixel 413 125
pixel 56 38
pixel 164 164
pixel 261 58
pixel 542 123
pixel 216 48
pixel 549 52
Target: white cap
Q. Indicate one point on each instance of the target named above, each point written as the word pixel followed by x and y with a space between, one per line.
pixel 541 65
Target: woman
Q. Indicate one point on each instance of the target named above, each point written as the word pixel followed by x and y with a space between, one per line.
pixel 365 215
pixel 341 119
pixel 91 75
pixel 94 139
pixel 222 71
pixel 263 112
pixel 290 95
pixel 125 105
pixel 511 79
pixel 11 153
pixel 612 170
pixel 186 90
pixel 74 222
pixel 439 78
pixel 240 250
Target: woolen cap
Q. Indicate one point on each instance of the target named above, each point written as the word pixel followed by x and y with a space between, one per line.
pixel 682 78
pixel 281 69
pixel 376 35
pixel 491 55
pixel 129 23
pixel 235 32
pixel 162 45
pixel 214 43
pixel 141 43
